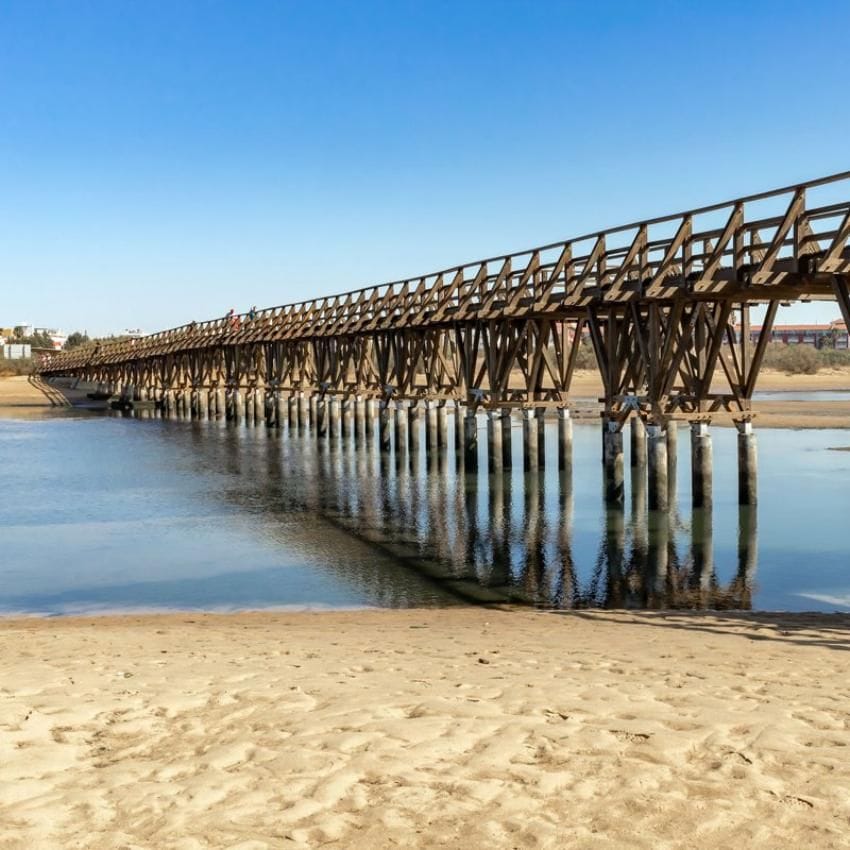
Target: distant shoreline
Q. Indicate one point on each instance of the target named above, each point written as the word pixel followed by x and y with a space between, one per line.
pixel 20 399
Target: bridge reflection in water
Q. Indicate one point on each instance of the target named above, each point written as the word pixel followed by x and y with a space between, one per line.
pixel 478 536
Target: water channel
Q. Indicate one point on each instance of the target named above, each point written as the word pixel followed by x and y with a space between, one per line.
pixel 111 513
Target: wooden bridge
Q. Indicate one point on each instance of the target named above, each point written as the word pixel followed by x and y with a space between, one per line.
pixel 665 303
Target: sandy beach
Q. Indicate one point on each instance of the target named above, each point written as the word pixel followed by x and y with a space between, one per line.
pixel 458 728
pixel 463 728
pixel 19 398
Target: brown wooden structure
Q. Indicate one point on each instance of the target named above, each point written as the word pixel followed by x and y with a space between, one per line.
pixel 659 298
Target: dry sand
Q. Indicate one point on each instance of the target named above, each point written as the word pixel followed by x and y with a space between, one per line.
pixel 462 728
pixel 20 398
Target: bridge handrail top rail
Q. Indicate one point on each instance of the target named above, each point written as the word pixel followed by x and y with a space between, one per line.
pixel 318 301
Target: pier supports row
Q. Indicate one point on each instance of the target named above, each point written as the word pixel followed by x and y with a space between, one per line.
pixel 653 446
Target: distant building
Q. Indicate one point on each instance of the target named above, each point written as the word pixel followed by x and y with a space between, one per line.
pixel 57 337
pixel 16 351
pixel 832 335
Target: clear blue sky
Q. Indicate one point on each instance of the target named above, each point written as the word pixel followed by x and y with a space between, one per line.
pixel 164 161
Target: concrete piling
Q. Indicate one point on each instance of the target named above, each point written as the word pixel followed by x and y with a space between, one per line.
pixel 529 439
pixel 312 410
pixel 303 404
pixel 612 456
pixel 430 427
pixel 384 425
pixel 346 417
pixel 459 426
pixel 506 424
pixel 656 444
pixel 320 415
pixel 414 438
pixel 540 415
pixel 747 465
pixel 637 436
pixel 565 439
pixel 369 419
pixel 333 416
pixel 359 419
pixel 292 412
pixel 400 427
pixel 701 471
pixel 470 440
pixel 672 461
pixel 494 441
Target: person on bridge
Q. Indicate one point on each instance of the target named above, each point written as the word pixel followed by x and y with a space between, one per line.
pixel 233 320
pixel 252 313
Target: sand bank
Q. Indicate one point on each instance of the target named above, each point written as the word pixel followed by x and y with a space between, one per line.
pixel 18 397
pixel 772 413
pixel 462 728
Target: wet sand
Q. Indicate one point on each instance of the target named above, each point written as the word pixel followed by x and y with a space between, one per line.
pixel 462 728
pixel 773 413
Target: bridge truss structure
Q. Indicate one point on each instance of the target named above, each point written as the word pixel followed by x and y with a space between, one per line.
pixel 665 304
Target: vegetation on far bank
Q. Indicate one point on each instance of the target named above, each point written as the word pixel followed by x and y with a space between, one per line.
pixel 793 359
pixel 803 359
pixel 10 368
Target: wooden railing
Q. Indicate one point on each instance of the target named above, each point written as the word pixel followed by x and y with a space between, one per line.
pixel 748 248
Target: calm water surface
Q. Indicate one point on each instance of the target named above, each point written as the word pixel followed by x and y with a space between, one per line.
pixel 107 513
pixel 804 395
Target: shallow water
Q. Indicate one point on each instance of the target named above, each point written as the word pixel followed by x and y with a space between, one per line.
pixel 807 395
pixel 105 513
